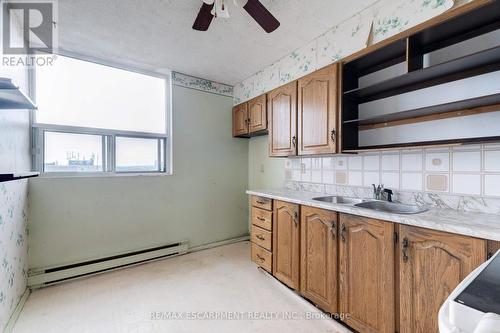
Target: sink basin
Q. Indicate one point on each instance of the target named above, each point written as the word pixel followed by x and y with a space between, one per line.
pixel 339 200
pixel 391 207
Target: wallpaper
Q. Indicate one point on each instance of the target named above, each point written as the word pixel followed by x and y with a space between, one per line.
pixel 14 157
pixel 13 246
pixel 375 23
pixel 201 84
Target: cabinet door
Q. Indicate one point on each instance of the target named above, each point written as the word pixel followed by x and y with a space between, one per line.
pixel 282 107
pixel 366 275
pixel 432 264
pixel 286 239
pixel 240 119
pixel 257 114
pixel 317 112
pixel 318 253
pixel 493 247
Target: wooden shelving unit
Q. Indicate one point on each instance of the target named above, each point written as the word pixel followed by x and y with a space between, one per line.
pixel 409 52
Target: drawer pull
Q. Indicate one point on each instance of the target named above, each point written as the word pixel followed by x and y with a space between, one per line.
pixel 261 258
pixel 260 202
pixel 261 219
pixel 405 244
pixel 260 237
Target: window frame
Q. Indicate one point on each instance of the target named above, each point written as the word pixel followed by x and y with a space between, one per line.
pixel 108 135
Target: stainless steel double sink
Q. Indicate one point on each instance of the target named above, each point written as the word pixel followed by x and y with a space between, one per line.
pixel 378 205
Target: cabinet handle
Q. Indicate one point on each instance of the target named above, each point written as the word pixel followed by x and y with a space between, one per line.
pixel 405 244
pixel 332 230
pixel 261 258
pixel 296 218
pixel 260 202
pixel 261 218
pixel 260 237
pixel 294 140
pixel 343 232
pixel 332 135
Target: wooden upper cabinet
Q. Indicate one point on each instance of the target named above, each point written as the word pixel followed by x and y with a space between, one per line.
pixel 318 253
pixel 240 119
pixel 282 112
pixel 317 112
pixel 432 264
pixel 366 274
pixel 286 237
pixel 257 114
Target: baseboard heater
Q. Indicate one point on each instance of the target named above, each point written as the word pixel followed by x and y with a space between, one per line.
pixel 59 274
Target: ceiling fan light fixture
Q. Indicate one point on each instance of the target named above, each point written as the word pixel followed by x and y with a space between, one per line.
pixel 220 9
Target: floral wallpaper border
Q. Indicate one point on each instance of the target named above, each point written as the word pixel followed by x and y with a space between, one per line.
pixel 192 82
pixel 381 20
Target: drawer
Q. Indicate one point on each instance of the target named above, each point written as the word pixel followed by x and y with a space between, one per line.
pixel 262 218
pixel 262 237
pixel 263 203
pixel 262 257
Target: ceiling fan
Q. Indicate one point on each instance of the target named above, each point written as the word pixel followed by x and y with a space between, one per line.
pixel 217 8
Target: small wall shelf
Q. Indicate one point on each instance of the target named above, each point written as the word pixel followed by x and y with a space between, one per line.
pixel 11 97
pixel 409 50
pixel 6 177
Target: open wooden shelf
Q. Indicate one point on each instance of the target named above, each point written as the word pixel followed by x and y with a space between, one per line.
pixel 460 68
pixel 458 106
pixel 6 177
pixel 421 144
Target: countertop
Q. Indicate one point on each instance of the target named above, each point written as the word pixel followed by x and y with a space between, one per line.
pixel 480 225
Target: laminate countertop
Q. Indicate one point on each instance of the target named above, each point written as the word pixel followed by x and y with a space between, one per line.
pixel 480 225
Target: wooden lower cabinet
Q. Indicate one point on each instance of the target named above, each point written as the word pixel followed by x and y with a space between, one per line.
pixel 432 264
pixel 318 254
pixel 286 238
pixel 493 247
pixel 366 273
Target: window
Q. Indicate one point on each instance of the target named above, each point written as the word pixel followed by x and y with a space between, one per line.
pixel 98 119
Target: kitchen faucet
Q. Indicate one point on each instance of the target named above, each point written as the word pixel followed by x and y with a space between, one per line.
pixel 378 192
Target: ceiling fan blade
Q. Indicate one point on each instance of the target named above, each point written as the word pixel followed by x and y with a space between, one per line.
pixel 204 18
pixel 260 14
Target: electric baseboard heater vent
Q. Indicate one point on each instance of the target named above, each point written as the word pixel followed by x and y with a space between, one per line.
pixel 49 276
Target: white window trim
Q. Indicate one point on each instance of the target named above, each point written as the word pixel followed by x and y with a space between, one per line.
pixel 38 129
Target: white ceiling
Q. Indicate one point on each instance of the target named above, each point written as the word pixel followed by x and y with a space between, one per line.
pixel 157 35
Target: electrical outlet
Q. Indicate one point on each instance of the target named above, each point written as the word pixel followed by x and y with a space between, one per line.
pixel 303 168
pixel 262 168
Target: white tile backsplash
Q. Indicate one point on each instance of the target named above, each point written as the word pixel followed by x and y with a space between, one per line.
pixel 390 162
pixel 340 163
pixel 467 161
pixel 411 181
pixel 492 160
pixel 355 162
pixel 328 176
pixel 371 162
pixel 412 162
pixel 370 177
pixel 355 178
pixel 437 161
pixel 466 184
pixel 390 180
pixel 492 185
pixel 472 170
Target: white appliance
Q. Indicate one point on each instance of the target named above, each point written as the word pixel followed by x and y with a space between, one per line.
pixel 474 306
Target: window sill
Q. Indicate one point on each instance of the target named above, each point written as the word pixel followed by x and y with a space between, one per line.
pixel 56 175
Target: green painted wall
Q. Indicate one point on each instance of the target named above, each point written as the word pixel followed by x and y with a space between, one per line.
pixel 73 219
pixel 264 172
